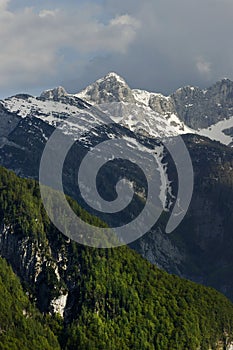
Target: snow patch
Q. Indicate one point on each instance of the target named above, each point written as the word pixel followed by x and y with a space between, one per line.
pixel 215 132
pixel 59 304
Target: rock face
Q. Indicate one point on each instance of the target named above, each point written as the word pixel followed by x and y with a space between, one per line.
pixel 201 248
pixel 54 93
pixel 33 262
pixel 8 122
pixel 111 88
pixel 195 107
pixel 162 104
pixel 159 249
pixel 202 108
pixel 26 258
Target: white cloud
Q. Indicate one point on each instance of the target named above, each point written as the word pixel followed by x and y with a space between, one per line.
pixel 179 42
pixel 3 4
pixel 48 13
pixel 203 66
pixel 124 20
pixel 36 44
pixel 157 45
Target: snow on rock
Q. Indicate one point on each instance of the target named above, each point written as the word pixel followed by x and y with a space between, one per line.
pixel 115 76
pixel 54 93
pixel 143 120
pixel 142 96
pixel 38 108
pixel 215 132
pixel 148 113
pixel 56 113
pixel 58 305
pixel 111 88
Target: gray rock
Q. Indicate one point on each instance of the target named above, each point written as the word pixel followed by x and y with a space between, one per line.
pixel 56 93
pixel 111 88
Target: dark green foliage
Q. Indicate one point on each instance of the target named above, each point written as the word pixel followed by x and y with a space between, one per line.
pixel 21 325
pixel 122 301
pixel 117 300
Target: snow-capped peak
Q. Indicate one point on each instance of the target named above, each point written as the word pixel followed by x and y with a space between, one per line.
pixel 185 111
pixel 110 88
pixel 54 93
pixel 114 76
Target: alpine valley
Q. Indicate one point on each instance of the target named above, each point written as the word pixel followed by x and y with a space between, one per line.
pixel 160 291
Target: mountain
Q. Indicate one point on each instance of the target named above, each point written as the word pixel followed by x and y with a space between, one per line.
pixel 98 298
pixel 111 88
pixel 203 108
pixel 201 247
pixel 188 110
pixel 206 112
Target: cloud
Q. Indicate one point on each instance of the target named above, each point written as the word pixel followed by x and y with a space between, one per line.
pixel 203 66
pixel 47 13
pixel 157 45
pixel 3 4
pixel 179 42
pixel 37 46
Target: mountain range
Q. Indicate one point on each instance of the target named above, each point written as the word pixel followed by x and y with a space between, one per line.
pixel 200 248
pixel 188 110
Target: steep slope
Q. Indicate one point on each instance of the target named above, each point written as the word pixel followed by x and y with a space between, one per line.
pixel 117 101
pixel 201 247
pixel 109 298
pixel 21 325
pixel 202 108
pixel 140 111
pixel 111 88
pixel 188 110
pixel 204 252
pixel 205 112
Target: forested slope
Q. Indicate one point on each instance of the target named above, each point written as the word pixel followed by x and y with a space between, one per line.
pixel 113 297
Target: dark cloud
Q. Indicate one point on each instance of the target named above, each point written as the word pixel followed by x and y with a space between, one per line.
pixel 157 45
pixel 180 42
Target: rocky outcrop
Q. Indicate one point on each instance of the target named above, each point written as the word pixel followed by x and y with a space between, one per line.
pixel 52 94
pixel 39 272
pixel 159 249
pixel 8 121
pixel 161 104
pixel 112 88
pixel 202 108
pixel 201 248
pixel 25 255
pixel 197 108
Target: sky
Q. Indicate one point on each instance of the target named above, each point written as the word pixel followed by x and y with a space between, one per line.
pixel 157 45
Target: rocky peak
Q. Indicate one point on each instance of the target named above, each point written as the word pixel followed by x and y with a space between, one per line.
pixel 114 77
pixel 111 88
pixel 222 91
pixel 188 92
pixel 54 94
pixel 161 104
pixel 202 108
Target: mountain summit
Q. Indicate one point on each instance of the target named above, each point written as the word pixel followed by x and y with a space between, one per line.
pixel 111 88
pixel 55 93
pixel 26 123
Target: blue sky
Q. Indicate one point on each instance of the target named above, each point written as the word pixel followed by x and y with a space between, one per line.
pixel 158 45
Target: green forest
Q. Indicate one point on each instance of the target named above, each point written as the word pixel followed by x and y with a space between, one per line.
pixel 21 325
pixel 117 300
